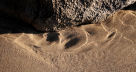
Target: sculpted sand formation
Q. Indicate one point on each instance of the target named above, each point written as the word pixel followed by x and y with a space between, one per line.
pixel 108 46
pixel 53 15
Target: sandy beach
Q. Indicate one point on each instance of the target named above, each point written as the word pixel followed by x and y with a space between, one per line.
pixel 109 46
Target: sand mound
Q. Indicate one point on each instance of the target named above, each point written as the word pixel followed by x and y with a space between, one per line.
pixel 106 47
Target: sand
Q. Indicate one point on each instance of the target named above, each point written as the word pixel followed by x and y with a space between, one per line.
pixel 105 47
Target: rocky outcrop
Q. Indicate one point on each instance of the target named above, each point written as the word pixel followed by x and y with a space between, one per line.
pixel 52 15
pixel 87 11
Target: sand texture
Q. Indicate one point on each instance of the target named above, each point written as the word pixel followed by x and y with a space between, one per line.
pixel 109 46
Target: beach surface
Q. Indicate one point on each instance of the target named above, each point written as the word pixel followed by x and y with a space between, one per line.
pixel 109 46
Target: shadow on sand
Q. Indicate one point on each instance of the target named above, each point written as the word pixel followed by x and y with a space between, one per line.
pixel 11 24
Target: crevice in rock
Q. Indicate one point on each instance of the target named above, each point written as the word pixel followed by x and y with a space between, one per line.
pixel 45 9
pixel 130 7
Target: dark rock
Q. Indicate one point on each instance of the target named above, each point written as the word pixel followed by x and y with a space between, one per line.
pixel 53 15
pixel 75 12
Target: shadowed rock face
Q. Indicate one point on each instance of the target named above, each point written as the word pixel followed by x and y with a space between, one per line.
pixel 53 15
